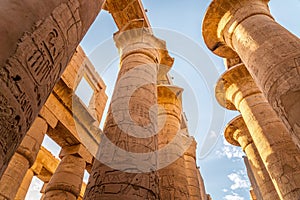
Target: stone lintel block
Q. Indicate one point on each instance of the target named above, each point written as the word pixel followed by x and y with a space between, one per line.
pixel 224 16
pixel 78 150
pixel 47 115
pixel 45 160
pixel 120 9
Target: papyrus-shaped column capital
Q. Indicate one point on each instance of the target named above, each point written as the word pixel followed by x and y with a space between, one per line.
pixel 235 80
pixel 236 133
pixel 221 19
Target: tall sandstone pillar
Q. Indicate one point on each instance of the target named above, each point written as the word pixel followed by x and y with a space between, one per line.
pixel 23 189
pixel 254 188
pixel 269 51
pixel 172 178
pixel 66 182
pixel 236 133
pixel 37 41
pixel 191 172
pixel 131 126
pixel 252 194
pixel 22 160
pixel 203 194
pixel 236 89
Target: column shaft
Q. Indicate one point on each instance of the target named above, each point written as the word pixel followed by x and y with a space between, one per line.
pixel 128 162
pixel 13 176
pixel 191 172
pixel 254 186
pixel 37 41
pixel 23 159
pixel 201 185
pixel 279 153
pixel 271 138
pixel 272 56
pixel 22 191
pixel 172 178
pixel 237 133
pixel 269 51
pixel 65 184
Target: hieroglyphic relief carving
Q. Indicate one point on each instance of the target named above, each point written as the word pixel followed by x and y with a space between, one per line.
pixel 30 74
pixel 131 186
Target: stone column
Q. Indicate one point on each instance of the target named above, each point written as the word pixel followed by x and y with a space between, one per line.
pixel 127 154
pixel 237 90
pixel 191 172
pixel 23 159
pixel 252 194
pixel 254 186
pixel 201 185
pixel 236 133
pixel 37 41
pixel 43 189
pixel 269 51
pixel 172 177
pixel 66 182
pixel 22 191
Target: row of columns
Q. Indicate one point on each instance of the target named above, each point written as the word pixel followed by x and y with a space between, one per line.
pixel 264 86
pixel 280 155
pixel 270 52
pixel 19 166
pixel 236 133
pixel 66 181
pixel 33 55
pixel 119 175
pixel 130 125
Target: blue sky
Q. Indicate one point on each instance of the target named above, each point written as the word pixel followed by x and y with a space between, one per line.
pixel 222 168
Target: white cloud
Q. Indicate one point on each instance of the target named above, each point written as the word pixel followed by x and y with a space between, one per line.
pixel 239 180
pixel 230 151
pixel 233 196
pixel 225 190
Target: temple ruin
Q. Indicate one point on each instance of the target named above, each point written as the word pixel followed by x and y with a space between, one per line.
pixel 145 150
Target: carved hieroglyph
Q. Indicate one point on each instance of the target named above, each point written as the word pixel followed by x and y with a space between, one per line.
pixel 130 125
pixel 23 159
pixel 236 89
pixel 35 59
pixel 269 51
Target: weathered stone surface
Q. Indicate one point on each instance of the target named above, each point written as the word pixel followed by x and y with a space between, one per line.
pixel 37 41
pixel 269 51
pixel 252 194
pixel 22 191
pixel 23 159
pixel 201 185
pixel 191 169
pixel 254 186
pixel 278 152
pixel 66 182
pixel 140 56
pixel 73 122
pixel 237 134
pixel 172 178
